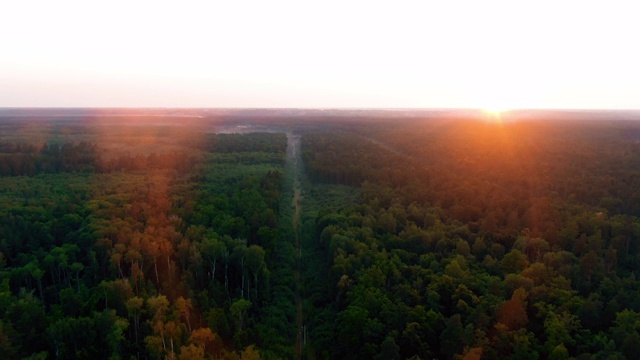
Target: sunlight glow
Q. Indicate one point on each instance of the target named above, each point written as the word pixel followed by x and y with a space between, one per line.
pixel 494 116
pixel 495 111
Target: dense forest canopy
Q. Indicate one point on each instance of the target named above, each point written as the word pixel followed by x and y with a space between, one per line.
pixel 327 237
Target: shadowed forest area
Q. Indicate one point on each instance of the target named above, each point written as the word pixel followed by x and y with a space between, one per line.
pixel 419 236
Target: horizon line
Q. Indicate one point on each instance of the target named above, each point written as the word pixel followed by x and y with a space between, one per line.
pixel 311 108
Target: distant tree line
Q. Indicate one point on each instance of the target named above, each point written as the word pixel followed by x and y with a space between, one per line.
pixel 236 143
pixel 29 160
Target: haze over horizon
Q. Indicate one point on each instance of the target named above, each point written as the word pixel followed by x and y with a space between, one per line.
pixel 286 54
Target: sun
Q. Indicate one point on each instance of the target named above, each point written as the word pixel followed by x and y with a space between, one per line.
pixel 494 114
pixel 494 110
pixel 496 107
pixel 495 101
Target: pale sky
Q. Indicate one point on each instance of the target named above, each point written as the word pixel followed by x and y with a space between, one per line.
pixel 328 54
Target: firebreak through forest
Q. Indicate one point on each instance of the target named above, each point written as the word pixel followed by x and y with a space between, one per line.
pixel 435 238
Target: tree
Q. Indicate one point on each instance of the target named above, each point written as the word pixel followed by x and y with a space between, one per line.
pixel 514 262
pixel 157 308
pixel 184 307
pixel 155 345
pixel 113 328
pixel 173 330
pixel 451 339
pixel 239 255
pixel 7 333
pixel 191 352
pixel 152 249
pixel 559 352
pixel 250 353
pixel 212 249
pixel 627 322
pixel 473 354
pixel 255 262
pixel 134 306
pixel 238 310
pixel 202 337
pixel 512 313
pixel 388 350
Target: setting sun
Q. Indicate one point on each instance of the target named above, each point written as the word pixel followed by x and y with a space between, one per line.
pixel 494 115
pixel 494 110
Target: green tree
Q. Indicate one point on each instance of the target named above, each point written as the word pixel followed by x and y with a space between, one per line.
pixel 452 338
pixel 239 310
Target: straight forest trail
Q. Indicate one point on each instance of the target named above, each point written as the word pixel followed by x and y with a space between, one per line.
pixel 293 156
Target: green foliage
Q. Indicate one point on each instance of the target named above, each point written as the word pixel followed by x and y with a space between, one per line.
pixel 102 260
pixel 425 239
pixel 487 229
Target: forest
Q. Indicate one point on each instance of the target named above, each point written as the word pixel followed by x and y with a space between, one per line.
pixel 418 237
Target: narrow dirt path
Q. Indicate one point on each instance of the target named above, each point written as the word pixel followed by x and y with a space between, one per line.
pixel 293 155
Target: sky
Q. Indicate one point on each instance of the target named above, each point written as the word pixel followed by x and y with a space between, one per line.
pixel 494 55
